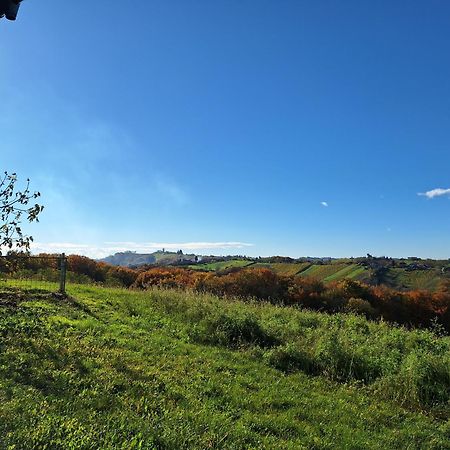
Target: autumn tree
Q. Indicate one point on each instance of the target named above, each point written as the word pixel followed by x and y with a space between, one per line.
pixel 15 204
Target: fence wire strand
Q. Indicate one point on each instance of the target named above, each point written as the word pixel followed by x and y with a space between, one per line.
pixel 32 272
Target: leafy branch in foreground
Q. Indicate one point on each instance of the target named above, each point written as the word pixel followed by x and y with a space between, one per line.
pixel 14 204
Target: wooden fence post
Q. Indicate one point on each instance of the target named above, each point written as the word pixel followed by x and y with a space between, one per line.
pixel 62 273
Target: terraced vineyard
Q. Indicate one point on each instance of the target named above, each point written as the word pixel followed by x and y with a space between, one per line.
pixel 352 271
pixel 221 265
pixel 397 278
pixel 335 272
pixel 283 268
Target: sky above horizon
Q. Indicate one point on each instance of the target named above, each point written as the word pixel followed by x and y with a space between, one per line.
pixel 241 127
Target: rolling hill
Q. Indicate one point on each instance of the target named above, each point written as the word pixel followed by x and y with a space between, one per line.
pixel 400 274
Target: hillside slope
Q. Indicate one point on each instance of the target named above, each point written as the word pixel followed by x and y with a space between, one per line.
pixel 400 274
pixel 163 369
pixel 132 259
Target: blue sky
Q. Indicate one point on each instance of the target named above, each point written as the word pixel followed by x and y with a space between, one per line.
pixel 252 127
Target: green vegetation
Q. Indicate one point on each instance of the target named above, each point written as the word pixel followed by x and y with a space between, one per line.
pixel 328 271
pixel 288 269
pixel 351 272
pixel 417 279
pixel 111 368
pixel 221 265
pixel 132 259
pixel 338 270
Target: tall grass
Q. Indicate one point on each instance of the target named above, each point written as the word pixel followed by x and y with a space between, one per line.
pixel 166 369
pixel 411 367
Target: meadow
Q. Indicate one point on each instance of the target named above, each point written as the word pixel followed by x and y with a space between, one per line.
pixel 221 265
pixel 289 269
pixel 171 369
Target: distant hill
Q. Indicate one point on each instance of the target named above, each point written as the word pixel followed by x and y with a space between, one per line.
pixel 132 259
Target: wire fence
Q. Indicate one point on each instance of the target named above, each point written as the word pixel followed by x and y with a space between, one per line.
pixel 34 272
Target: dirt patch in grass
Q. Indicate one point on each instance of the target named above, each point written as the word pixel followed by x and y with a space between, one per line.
pixel 12 297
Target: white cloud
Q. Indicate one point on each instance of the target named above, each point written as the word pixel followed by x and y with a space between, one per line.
pixel 438 192
pixel 110 248
pixel 324 204
pixel 177 246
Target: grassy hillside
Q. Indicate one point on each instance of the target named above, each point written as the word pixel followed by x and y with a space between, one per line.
pixel 284 268
pixel 417 279
pixel 109 368
pixel 399 274
pixel 335 272
pixel 280 268
pixel 401 278
pixel 351 271
pixel 131 259
pixel 221 265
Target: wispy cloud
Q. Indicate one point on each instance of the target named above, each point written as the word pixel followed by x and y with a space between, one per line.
pixel 180 245
pixel 438 192
pixel 324 204
pixel 65 247
pixel 171 190
pixel 109 248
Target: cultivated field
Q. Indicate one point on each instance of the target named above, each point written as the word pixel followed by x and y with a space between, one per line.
pixel 284 268
pixel 221 265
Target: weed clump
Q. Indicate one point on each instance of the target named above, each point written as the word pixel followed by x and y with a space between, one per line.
pixel 360 306
pixel 289 358
pixel 232 331
pixel 422 381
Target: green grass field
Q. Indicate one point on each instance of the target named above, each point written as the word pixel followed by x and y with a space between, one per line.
pixel 283 268
pixel 110 368
pixel 29 283
pixel 221 265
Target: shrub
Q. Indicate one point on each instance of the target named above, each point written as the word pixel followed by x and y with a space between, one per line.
pixel 85 266
pixel 120 275
pixel 355 289
pixel 262 284
pixel 360 306
pixel 167 277
pixel 306 292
